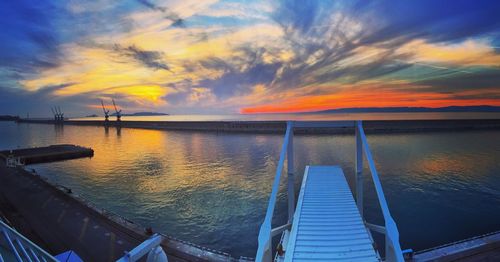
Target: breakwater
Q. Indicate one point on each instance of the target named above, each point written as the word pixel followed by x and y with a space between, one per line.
pixel 370 126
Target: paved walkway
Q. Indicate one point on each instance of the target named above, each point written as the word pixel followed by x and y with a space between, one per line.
pixel 58 222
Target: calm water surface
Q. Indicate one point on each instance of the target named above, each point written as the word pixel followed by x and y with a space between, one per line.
pixel 212 189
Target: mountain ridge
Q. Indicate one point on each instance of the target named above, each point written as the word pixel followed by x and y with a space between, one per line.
pixel 472 109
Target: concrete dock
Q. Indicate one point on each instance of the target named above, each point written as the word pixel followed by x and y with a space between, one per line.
pixel 47 154
pixel 480 248
pixel 58 221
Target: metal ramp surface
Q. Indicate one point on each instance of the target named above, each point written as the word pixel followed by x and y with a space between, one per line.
pixel 327 225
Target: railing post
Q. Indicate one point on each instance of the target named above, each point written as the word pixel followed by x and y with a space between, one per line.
pixel 392 246
pixel 264 251
pixel 359 168
pixel 291 178
pixel 389 251
pixel 268 252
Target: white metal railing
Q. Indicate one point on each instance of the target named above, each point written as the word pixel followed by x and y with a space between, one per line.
pixel 266 233
pixel 21 248
pixel 392 247
pixel 150 247
pixel 264 252
pixel 12 161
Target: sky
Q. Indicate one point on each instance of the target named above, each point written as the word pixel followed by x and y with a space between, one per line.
pixel 227 57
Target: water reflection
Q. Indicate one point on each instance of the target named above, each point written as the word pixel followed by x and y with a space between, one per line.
pixel 59 130
pixel 212 189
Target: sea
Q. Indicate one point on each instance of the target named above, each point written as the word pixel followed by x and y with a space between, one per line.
pixel 212 189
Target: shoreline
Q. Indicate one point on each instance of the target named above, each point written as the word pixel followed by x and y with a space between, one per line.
pixel 370 126
pixel 50 213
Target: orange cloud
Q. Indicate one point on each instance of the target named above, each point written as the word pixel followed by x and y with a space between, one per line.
pixel 366 98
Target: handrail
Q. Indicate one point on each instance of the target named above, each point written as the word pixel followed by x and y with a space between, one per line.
pixel 12 236
pixel 150 247
pixel 264 250
pixel 393 248
pixel 324 124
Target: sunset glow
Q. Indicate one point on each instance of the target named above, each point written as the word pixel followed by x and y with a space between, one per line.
pixel 353 100
pixel 219 56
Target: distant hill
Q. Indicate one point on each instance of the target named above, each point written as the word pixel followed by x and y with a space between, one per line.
pixel 143 114
pixel 410 109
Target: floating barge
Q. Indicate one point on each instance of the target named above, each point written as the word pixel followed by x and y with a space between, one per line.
pixel 46 154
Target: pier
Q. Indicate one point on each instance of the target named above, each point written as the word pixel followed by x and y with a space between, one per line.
pixel 51 153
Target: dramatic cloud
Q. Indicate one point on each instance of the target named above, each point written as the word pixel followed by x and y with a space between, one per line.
pixel 150 59
pixel 224 56
pixel 176 20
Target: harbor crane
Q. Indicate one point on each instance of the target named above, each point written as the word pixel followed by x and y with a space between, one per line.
pixel 118 112
pixel 58 114
pixel 61 114
pixel 54 113
pixel 106 112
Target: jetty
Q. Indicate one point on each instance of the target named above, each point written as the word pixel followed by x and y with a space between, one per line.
pixel 35 155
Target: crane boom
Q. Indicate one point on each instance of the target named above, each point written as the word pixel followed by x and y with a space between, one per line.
pixel 103 108
pixel 114 105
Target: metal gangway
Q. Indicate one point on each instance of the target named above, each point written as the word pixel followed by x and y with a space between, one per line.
pixel 327 224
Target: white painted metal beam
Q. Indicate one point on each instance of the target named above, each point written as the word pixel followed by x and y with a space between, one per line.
pixel 291 176
pixel 323 124
pixel 264 250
